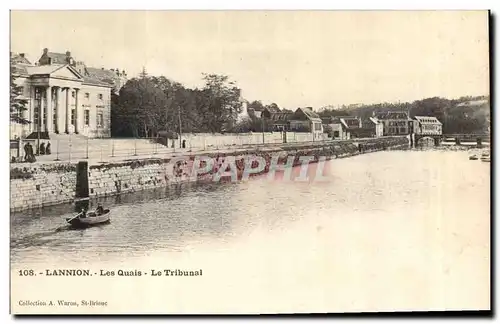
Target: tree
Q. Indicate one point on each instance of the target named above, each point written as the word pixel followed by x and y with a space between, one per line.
pixel 139 109
pixel 273 106
pixel 17 102
pixel 221 103
pixel 256 105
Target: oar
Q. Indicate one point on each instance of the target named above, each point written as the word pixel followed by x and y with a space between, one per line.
pixel 74 217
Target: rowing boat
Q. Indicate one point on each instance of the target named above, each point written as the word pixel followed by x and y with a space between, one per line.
pixel 89 219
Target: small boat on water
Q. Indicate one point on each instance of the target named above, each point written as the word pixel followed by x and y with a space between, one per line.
pixel 89 218
pixel 473 157
pixel 485 157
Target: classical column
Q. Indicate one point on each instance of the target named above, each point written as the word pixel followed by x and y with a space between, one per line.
pixel 68 113
pixel 55 110
pixel 77 113
pixel 61 116
pixel 50 111
pixel 41 111
pixel 32 109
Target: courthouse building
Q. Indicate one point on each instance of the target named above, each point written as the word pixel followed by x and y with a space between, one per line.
pixel 64 95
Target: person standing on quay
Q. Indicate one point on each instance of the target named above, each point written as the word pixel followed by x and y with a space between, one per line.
pixel 26 151
pixel 42 149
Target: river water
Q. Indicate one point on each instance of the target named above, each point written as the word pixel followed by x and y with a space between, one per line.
pixel 387 230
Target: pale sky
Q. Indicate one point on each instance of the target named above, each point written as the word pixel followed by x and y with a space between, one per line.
pixel 293 58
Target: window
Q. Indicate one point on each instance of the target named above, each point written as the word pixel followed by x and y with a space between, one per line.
pixel 73 94
pixel 73 117
pixel 99 96
pixel 87 117
pixel 87 95
pixel 336 134
pixel 100 119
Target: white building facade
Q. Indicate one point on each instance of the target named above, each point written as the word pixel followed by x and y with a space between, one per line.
pixel 62 98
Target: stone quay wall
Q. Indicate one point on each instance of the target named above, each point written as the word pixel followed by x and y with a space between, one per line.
pixel 43 185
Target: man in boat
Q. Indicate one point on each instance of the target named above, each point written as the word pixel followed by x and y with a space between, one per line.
pixel 99 210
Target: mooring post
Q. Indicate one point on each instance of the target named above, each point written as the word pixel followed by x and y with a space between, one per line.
pixel 82 186
pixel 57 151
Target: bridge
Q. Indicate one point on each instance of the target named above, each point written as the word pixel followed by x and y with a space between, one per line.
pixel 425 139
pixel 468 137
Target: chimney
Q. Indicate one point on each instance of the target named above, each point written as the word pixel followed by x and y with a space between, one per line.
pixel 123 73
pixel 21 55
pixel 102 69
pixel 45 50
pixel 117 71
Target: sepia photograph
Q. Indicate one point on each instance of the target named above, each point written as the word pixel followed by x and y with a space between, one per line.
pixel 249 162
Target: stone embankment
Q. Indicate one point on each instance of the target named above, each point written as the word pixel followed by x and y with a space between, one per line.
pixel 51 184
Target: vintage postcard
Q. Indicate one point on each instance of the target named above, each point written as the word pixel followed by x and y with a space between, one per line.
pixel 249 162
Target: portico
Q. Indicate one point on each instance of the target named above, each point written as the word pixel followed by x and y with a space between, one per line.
pixel 65 102
pixel 55 108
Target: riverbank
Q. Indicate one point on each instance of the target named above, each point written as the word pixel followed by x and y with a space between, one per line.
pixel 39 185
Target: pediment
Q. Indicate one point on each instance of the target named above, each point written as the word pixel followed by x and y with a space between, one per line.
pixel 66 72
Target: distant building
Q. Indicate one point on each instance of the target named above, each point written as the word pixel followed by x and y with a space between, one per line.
pixel 395 123
pixel 306 120
pixel 244 110
pixel 343 127
pixel 426 125
pixel 254 113
pixel 348 127
pixel 371 127
pixel 19 58
pixel 280 121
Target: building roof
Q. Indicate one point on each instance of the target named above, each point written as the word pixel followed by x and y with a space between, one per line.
pixel 44 69
pixel 20 69
pixel 327 120
pixel 17 58
pixel 285 116
pixel 393 115
pixel 310 113
pixel 428 120
pixel 350 123
pixel 101 74
pixel 58 58
pixel 94 81
pixel 30 70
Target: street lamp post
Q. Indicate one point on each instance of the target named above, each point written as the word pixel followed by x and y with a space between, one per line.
pixel 180 126
pixel 262 126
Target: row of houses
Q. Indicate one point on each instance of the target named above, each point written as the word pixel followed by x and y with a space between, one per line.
pixel 392 123
pixel 300 120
